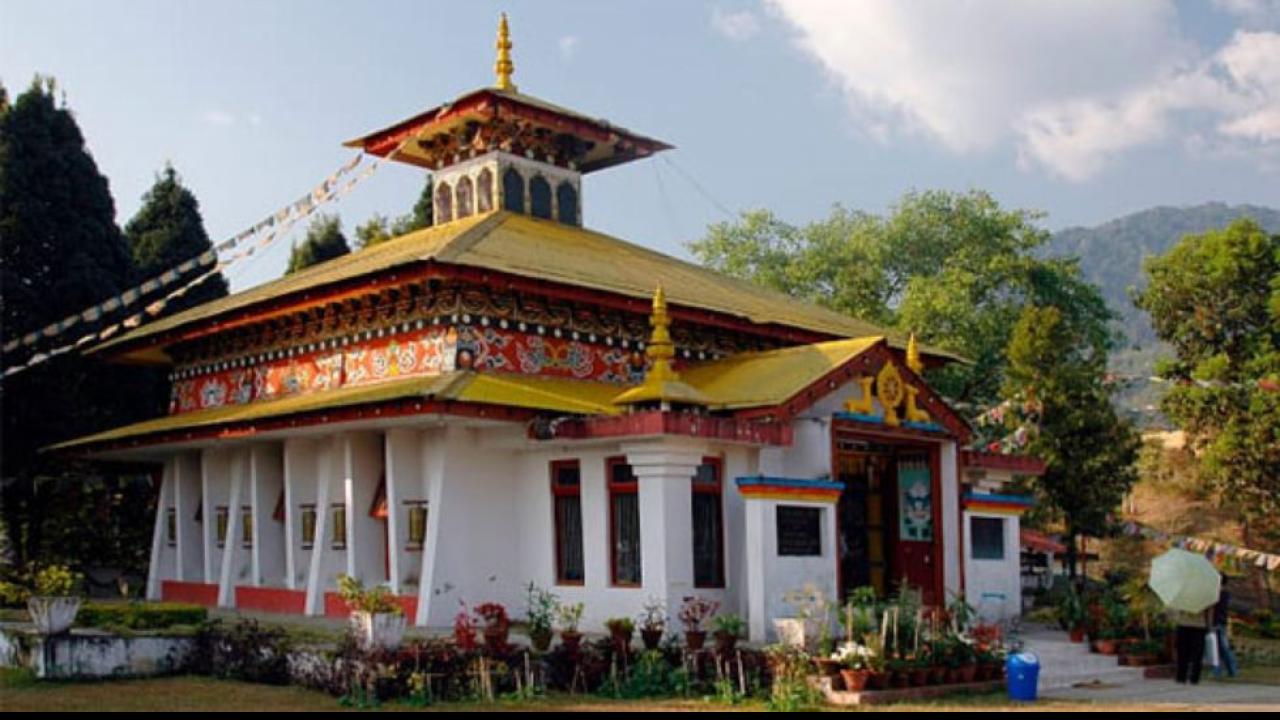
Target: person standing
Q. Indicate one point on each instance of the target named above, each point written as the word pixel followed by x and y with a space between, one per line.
pixel 1190 636
pixel 1221 620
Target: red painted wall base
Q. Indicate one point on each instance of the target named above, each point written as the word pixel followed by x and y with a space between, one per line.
pixel 189 592
pixel 276 600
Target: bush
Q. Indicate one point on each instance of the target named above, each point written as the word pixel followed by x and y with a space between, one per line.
pixel 245 651
pixel 140 616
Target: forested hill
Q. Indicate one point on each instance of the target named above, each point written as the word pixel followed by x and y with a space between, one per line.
pixel 1111 254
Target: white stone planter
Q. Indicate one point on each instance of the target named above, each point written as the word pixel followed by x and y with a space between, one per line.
pixel 53 615
pixel 790 631
pixel 379 630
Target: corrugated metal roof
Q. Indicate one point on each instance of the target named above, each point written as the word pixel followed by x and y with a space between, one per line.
pixel 530 247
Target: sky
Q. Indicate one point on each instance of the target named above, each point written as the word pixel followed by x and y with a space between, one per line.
pixel 1083 109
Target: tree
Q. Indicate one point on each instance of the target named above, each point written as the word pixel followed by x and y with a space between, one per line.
pixel 1088 450
pixel 1215 299
pixel 379 229
pixel 955 268
pixel 168 230
pixel 61 252
pixel 324 241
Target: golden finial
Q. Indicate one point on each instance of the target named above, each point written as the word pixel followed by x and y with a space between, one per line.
pixel 503 68
pixel 913 355
pixel 661 382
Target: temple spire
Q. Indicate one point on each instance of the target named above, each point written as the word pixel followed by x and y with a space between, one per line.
pixel 662 384
pixel 504 68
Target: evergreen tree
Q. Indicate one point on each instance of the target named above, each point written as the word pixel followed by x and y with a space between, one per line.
pixel 60 252
pixel 1090 453
pixel 324 241
pixel 168 230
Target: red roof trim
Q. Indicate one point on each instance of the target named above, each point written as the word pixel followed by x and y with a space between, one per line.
pixel 1019 464
pixel 657 422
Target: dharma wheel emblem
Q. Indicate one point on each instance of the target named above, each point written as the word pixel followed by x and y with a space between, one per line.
pixel 891 391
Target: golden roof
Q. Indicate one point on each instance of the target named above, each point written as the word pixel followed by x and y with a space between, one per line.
pixel 771 377
pixel 508 390
pixel 529 247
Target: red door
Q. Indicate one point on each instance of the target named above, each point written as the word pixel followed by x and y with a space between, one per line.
pixel 916 531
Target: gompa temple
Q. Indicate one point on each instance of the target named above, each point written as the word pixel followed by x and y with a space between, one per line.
pixel 509 397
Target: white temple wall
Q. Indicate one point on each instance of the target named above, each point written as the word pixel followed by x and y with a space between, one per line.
pixel 266 473
pixel 300 472
pixel 188 490
pixel 215 489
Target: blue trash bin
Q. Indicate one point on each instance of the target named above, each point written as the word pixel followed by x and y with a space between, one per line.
pixel 1023 673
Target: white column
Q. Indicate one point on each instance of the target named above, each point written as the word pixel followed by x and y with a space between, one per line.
pixel 952 552
pixel 266 483
pixel 664 471
pixel 158 539
pixel 320 547
pixel 187 497
pixel 361 472
pixel 436 467
pixel 403 462
pixel 232 553
pixel 756 526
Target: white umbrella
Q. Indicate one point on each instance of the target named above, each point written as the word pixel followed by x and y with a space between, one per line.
pixel 1185 580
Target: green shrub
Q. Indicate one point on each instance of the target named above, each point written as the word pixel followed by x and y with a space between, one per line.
pixel 140 616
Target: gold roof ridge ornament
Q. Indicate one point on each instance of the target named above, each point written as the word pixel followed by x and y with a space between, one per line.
pixel 913 355
pixel 662 384
pixel 504 68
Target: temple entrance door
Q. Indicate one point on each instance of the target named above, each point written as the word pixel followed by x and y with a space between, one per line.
pixel 914 500
pixel 863 514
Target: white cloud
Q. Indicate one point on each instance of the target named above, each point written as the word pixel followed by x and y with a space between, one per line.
pixel 569 46
pixel 1069 84
pixel 737 25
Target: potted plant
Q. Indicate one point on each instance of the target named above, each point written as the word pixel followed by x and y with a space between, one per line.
pixel 1072 615
pixel 569 616
pixel 693 613
pixel 54 602
pixel 899 670
pixel 653 623
pixel 542 606
pixel 728 628
pixel 855 669
pixel 621 630
pixel 877 677
pixel 497 626
pixel 376 617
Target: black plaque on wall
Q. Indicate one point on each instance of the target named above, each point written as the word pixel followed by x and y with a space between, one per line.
pixel 799 531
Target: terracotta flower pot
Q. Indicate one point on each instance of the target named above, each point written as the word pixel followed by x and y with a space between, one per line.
pixel 1077 635
pixel 695 639
pixel 855 680
pixel 572 640
pixel 540 639
pixel 651 638
pixel 968 673
pixel 726 642
pixel 1106 647
pixel 878 680
pixel 937 675
pixel 920 677
pixel 900 678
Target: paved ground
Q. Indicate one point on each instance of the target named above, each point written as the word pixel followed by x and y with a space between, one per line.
pixel 1228 694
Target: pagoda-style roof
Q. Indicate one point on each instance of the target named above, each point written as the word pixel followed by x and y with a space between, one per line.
pixel 511 243
pixel 497 119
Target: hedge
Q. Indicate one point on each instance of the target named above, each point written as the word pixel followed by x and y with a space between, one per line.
pixel 140 616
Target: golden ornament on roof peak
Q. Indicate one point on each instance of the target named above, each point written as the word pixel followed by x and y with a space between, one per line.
pixel 504 67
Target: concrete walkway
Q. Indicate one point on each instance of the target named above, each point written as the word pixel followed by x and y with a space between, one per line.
pixel 1230 694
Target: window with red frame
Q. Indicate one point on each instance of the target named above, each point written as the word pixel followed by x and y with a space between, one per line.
pixel 708 525
pixel 624 522
pixel 566 497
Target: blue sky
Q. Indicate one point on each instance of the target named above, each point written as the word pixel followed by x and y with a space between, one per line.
pixel 1084 109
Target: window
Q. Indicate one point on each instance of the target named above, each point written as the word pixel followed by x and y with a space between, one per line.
pixel 220 524
pixel 513 190
pixel 417 524
pixel 540 197
pixel 466 192
pixel 799 531
pixel 987 538
pixel 566 494
pixel 624 522
pixel 484 191
pixel 246 526
pixel 567 203
pixel 708 526
pixel 308 517
pixel 339 526
pixel 171 527
pixel 444 203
